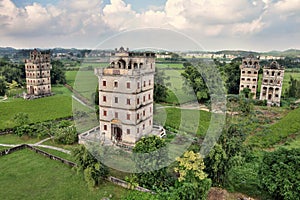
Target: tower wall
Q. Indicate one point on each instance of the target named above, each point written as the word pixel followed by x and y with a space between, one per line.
pixel 271 87
pixel 126 96
pixel 37 70
pixel 249 75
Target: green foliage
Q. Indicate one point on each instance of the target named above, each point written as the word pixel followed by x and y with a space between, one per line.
pixel 132 181
pixel 66 135
pixel 192 182
pixel 160 90
pixel 279 173
pixel 21 119
pixel 232 74
pixel 294 88
pixel 3 86
pixel 194 78
pixel 58 75
pixel 225 154
pixel 94 171
pixel 150 158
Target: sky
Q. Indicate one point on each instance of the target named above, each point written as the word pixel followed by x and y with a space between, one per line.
pixel 210 25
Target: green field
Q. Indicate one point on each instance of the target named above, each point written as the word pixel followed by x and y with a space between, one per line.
pixel 190 121
pixel 27 175
pixel 43 109
pixel 271 134
pixel 169 65
pixel 71 76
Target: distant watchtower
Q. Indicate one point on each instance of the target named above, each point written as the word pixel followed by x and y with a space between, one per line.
pixel 271 86
pixel 126 96
pixel 249 74
pixel 37 69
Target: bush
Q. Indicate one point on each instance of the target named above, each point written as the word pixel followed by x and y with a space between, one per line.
pixel 67 135
pixel 280 175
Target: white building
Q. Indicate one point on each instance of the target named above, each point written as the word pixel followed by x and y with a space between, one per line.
pixel 126 96
pixel 271 86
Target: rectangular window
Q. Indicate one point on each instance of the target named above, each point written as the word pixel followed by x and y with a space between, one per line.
pixel 105 127
pixel 116 115
pixel 104 112
pixel 137 116
pixel 128 101
pixel 104 98
pixel 104 83
pixel 138 130
pixel 144 113
pixel 128 116
pixel 128 85
pixel 149 82
pixel 144 98
pixel 150 109
pixel 128 131
pixel 144 83
pixel 116 84
pixel 116 100
pixel 138 101
pixel 138 85
pixel 143 126
pixel 149 97
pixel 150 122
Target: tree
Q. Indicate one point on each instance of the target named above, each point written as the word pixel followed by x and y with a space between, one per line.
pixel 160 90
pixel 150 156
pixel 195 80
pixel 192 182
pixel 3 87
pixel 94 171
pixel 232 80
pixel 57 73
pixel 293 90
pixel 225 154
pixel 280 175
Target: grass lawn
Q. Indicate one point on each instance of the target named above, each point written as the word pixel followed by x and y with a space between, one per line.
pixel 27 175
pixel 2 148
pixel 169 65
pixel 191 121
pixel 43 109
pixel 14 139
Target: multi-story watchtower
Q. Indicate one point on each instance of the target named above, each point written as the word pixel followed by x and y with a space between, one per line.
pixel 249 74
pixel 126 96
pixel 37 69
pixel 271 86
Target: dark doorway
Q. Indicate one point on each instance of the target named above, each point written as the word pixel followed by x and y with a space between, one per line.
pixel 117 133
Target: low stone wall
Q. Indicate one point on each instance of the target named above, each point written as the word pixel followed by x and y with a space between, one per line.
pixel 23 146
pixel 12 150
pixel 125 184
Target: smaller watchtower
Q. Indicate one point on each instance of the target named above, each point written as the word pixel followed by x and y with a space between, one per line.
pixel 249 74
pixel 37 69
pixel 271 86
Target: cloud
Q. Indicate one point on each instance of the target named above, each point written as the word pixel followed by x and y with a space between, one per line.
pixel 74 21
